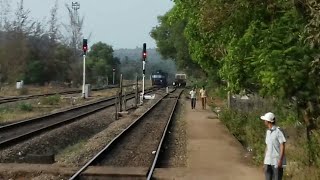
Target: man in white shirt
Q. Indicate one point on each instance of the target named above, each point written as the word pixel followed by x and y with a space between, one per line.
pixel 274 159
pixel 193 95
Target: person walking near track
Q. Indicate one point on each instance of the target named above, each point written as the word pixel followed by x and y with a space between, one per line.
pixel 193 94
pixel 203 95
pixel 274 159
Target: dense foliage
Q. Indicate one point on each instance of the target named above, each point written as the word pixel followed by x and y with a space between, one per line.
pixel 268 47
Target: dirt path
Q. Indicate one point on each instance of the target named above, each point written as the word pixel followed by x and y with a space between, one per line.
pixel 213 153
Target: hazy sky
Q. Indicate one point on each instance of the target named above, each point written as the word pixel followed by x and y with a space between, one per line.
pixel 120 23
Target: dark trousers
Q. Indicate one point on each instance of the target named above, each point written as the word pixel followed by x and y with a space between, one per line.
pixel 204 102
pixel 193 103
pixel 273 173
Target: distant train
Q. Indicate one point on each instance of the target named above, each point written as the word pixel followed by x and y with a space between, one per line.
pixel 180 80
pixel 159 79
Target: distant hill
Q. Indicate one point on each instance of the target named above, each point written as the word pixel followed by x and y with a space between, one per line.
pixel 135 54
pixel 131 62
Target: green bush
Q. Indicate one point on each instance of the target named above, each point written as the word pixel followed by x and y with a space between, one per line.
pixel 248 129
pixel 221 92
pixel 51 100
pixel 5 109
pixel 25 107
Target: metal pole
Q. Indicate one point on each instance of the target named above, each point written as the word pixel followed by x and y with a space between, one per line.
pixel 137 91
pixel 143 75
pixel 120 94
pixel 84 77
pixel 144 56
pixel 113 74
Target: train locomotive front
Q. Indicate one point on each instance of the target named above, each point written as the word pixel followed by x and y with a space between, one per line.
pixel 180 80
pixel 159 79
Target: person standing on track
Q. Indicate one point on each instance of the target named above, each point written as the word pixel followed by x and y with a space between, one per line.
pixel 274 159
pixel 193 94
pixel 203 95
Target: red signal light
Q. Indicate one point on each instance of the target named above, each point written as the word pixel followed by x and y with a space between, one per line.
pixel 85 45
pixel 144 51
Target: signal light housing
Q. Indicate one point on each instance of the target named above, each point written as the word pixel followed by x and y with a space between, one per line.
pixel 85 46
pixel 144 51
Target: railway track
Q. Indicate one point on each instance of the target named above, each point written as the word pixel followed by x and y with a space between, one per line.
pixel 26 97
pixel 16 132
pixel 138 145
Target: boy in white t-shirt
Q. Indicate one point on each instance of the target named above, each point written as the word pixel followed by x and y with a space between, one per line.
pixel 193 94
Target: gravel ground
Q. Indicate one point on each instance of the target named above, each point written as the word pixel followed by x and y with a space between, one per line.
pixel 56 140
pixel 80 135
pixel 87 150
pixel 174 151
pixel 136 148
pixel 13 114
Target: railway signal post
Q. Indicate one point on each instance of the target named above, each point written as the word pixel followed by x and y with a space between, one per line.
pixel 85 49
pixel 144 56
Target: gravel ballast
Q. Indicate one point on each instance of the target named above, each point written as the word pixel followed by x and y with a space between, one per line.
pixel 174 150
pixel 137 147
pixel 87 150
pixel 76 143
pixel 56 140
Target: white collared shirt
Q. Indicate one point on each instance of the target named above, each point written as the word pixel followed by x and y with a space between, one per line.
pixel 274 137
pixel 193 94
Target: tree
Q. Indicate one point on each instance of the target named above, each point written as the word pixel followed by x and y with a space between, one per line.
pixel 74 28
pixel 16 51
pixel 53 31
pixel 4 14
pixel 269 47
pixel 172 44
pixel 101 62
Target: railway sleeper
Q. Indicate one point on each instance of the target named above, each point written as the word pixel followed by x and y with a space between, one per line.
pixel 39 159
pixel 108 172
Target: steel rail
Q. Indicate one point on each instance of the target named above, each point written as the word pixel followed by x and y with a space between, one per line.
pixel 151 170
pixel 26 97
pixel 5 142
pixel 99 155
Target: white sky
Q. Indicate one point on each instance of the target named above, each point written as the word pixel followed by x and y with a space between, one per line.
pixel 120 23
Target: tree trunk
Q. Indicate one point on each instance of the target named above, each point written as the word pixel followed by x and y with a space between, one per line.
pixel 307 115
